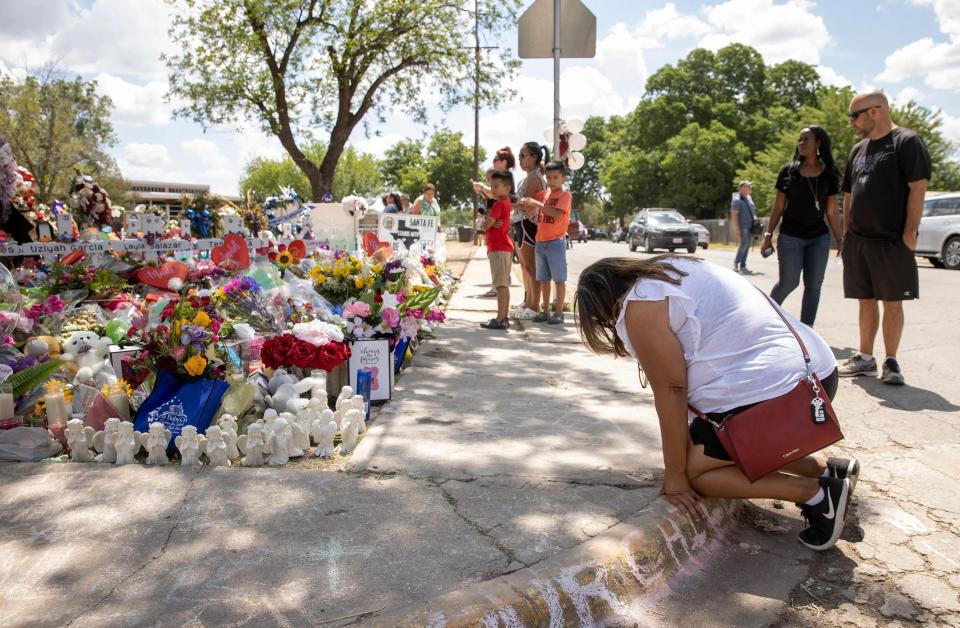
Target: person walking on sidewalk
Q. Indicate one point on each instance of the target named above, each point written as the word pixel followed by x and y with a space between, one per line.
pixel 551 249
pixel 806 195
pixel 708 339
pixel 499 245
pixel 743 213
pixel 884 185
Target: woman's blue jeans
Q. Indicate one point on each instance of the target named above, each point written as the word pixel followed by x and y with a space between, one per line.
pixel 746 238
pixel 806 255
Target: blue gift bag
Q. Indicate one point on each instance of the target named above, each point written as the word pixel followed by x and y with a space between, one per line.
pixel 399 352
pixel 176 403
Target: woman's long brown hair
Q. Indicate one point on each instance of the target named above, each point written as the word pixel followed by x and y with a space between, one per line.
pixel 601 291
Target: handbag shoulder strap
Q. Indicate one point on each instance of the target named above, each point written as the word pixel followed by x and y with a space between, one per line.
pixel 803 347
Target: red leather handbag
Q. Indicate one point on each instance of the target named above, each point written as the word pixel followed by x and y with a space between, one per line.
pixel 776 432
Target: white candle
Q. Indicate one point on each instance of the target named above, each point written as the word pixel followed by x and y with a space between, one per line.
pixel 6 406
pixel 56 408
pixel 121 404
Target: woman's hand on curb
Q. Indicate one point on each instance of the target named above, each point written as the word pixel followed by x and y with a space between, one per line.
pixel 676 488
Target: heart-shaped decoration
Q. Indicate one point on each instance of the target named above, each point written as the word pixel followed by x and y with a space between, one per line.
pixel 372 244
pixel 298 248
pixel 233 254
pixel 160 276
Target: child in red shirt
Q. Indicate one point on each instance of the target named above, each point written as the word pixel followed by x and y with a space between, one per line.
pixel 499 245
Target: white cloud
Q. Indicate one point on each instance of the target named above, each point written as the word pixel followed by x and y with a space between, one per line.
pixel 377 144
pixel 219 170
pixel 790 30
pixel 144 155
pixel 951 127
pixel 135 104
pixel 937 62
pixel 668 23
pixel 829 76
pixel 907 94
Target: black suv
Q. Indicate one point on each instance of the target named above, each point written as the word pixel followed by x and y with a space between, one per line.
pixel 659 228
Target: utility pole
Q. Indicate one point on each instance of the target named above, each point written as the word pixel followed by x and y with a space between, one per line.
pixel 476 104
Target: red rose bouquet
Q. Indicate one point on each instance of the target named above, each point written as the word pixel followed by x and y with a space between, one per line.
pixel 287 350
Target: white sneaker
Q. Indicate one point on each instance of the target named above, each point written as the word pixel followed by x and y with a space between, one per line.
pixel 525 314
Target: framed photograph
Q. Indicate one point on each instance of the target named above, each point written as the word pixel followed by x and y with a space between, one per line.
pixel 375 356
pixel 118 359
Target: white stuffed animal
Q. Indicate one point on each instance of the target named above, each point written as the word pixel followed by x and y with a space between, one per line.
pixel 79 440
pixel 251 444
pixel 228 428
pixel 324 434
pixel 158 437
pixel 105 442
pixel 279 442
pixel 190 445
pixel 90 353
pixel 216 448
pixel 127 443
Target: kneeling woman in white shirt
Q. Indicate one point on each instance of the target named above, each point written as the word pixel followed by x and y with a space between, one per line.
pixel 704 336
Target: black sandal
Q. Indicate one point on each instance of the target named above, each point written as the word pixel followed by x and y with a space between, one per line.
pixel 496 324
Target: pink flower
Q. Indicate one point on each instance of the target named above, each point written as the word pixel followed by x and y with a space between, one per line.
pixel 390 316
pixel 357 309
pixel 436 316
pixel 409 327
pixel 178 353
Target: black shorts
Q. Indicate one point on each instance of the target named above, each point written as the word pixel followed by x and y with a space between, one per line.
pixel 702 433
pixel 879 269
pixel 528 233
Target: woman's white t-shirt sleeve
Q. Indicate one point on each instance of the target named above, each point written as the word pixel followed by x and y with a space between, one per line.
pixel 681 310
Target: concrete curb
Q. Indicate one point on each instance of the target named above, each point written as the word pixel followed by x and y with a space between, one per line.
pixel 604 580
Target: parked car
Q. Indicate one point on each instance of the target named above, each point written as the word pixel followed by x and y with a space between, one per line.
pixel 939 235
pixel 576 231
pixel 596 233
pixel 660 228
pixel 703 235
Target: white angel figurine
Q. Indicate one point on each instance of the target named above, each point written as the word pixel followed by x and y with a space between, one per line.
pixel 251 444
pixel 350 430
pixel 278 442
pixel 158 437
pixel 79 440
pixel 216 448
pixel 105 442
pixel 301 430
pixel 190 445
pixel 324 433
pixel 127 443
pixel 346 394
pixel 228 429
pixel 360 404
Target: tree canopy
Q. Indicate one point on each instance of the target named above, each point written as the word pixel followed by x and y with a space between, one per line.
pixel 357 173
pixel 304 69
pixel 57 126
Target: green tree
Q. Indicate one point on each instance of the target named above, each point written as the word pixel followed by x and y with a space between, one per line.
pixel 928 124
pixel 698 164
pixel 57 126
pixel 357 173
pixel 403 154
pixel 795 84
pixel 450 164
pixel 298 65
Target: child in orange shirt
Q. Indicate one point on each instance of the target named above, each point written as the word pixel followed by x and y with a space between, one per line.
pixel 551 249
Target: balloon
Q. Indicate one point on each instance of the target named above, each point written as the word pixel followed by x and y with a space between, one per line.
pixel 548 134
pixel 577 141
pixel 574 125
pixel 575 160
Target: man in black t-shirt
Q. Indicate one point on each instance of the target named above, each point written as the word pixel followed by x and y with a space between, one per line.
pixel 884 185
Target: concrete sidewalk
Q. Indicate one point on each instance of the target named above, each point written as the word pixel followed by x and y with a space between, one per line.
pixel 512 479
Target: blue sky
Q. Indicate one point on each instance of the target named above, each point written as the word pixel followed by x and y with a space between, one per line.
pixel 910 48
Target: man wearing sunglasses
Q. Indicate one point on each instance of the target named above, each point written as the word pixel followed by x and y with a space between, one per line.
pixel 884 185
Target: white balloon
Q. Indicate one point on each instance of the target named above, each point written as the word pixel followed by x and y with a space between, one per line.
pixel 575 160
pixel 574 125
pixel 548 134
pixel 577 141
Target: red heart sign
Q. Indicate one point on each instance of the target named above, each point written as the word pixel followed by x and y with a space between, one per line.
pixel 160 276
pixel 372 244
pixel 233 254
pixel 298 248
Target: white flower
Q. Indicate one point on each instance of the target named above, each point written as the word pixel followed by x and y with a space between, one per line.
pixel 317 332
pixel 389 302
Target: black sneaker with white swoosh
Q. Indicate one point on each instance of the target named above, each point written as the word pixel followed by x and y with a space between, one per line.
pixel 825 520
pixel 845 468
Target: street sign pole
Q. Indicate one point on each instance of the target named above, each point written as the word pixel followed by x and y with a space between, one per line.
pixel 556 79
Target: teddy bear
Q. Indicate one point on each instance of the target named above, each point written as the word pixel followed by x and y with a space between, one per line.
pixel 90 353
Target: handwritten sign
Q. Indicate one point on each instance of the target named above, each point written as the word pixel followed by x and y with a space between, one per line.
pixel 409 229
pixel 153 224
pixel 233 224
pixel 376 357
pixel 132 223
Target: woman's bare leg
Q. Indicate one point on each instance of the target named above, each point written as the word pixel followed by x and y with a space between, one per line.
pixel 528 263
pixel 719 478
pixel 808 467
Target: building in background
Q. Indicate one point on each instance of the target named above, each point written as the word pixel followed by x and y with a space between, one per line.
pixel 168 195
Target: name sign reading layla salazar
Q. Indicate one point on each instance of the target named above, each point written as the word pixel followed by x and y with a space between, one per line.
pixel 408 228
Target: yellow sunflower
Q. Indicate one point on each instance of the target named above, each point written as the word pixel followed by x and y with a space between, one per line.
pixel 285 260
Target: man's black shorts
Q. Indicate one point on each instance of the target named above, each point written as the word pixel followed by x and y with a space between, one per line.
pixel 879 269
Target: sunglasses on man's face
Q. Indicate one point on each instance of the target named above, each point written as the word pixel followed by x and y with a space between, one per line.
pixel 853 115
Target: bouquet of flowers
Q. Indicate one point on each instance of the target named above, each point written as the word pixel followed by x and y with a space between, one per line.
pixel 403 315
pixel 241 299
pixel 187 347
pixel 312 345
pixel 343 276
